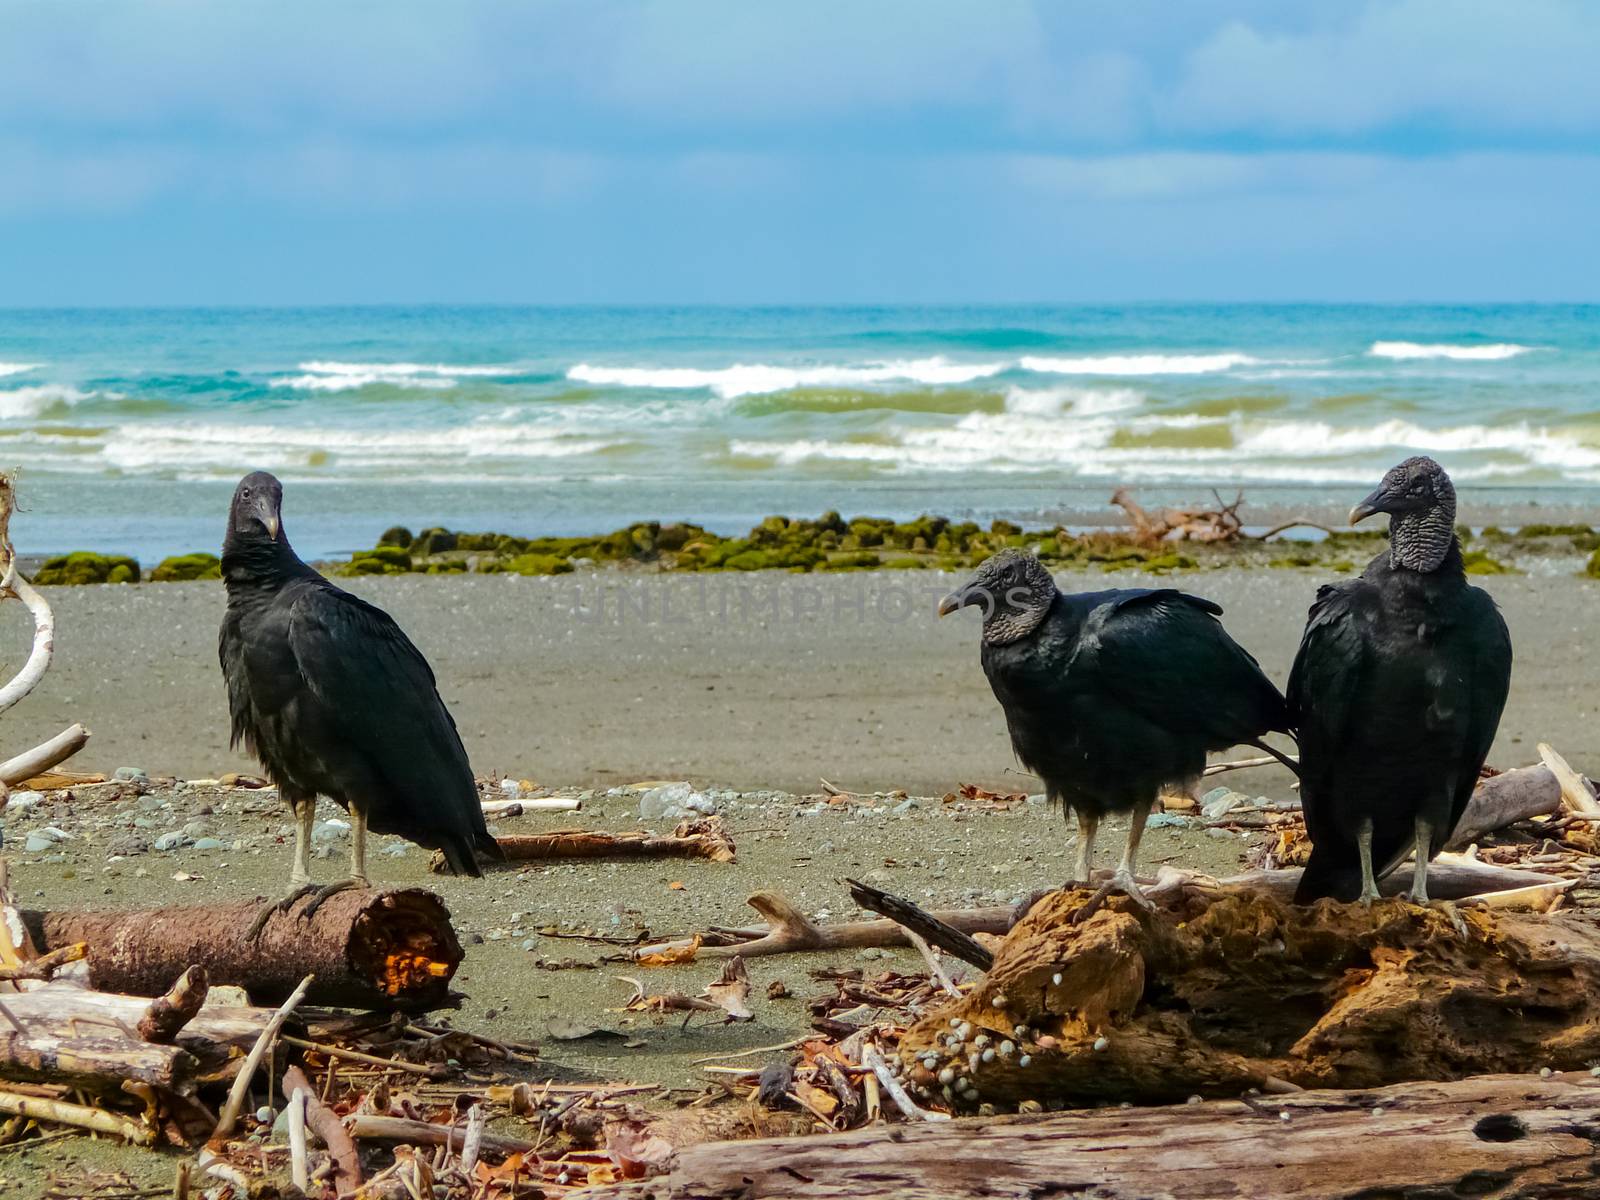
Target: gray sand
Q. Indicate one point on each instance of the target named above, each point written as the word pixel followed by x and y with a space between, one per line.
pixel 764 681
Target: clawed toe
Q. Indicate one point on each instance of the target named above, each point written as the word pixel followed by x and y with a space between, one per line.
pixel 1117 883
pixel 270 909
pixel 323 894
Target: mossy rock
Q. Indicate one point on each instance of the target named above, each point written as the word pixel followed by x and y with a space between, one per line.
pixel 1593 568
pixel 1004 528
pixel 433 541
pixel 384 560
pixel 1539 530
pixel 1478 562
pixel 396 535
pixel 180 567
pixel 537 564
pixel 1586 542
pixel 1173 561
pixel 904 563
pixel 85 566
pixel 1294 560
pixel 449 566
pixel 672 538
pixel 851 562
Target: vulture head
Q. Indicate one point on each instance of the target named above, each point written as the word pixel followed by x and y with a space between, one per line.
pixel 1015 592
pixel 257 508
pixel 1421 503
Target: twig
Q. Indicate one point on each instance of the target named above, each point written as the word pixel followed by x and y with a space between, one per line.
pixel 241 1083
pixel 295 1111
pixel 368 1127
pixel 46 965
pixel 326 1124
pixel 79 1115
pixel 1297 523
pixel 45 755
pixel 915 919
pixel 789 1045
pixel 372 1060
pixel 473 1141
pixel 1240 764
pixel 934 965
pixel 902 1099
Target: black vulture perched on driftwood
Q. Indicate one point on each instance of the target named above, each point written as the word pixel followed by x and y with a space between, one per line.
pixel 1396 694
pixel 1111 695
pixel 334 700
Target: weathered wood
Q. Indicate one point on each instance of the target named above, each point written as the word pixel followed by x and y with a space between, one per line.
pixel 169 1013
pixel 1497 1136
pixel 368 949
pixel 1224 992
pixel 1505 799
pixel 365 1127
pixel 692 839
pixel 79 1115
pixel 920 921
pixel 325 1123
pixel 90 1039
pixel 789 930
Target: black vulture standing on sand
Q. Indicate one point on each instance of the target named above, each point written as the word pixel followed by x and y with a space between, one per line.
pixel 334 700
pixel 1396 694
pixel 1111 695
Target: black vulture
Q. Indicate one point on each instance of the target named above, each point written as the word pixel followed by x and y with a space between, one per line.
pixel 1395 695
pixel 1111 695
pixel 334 700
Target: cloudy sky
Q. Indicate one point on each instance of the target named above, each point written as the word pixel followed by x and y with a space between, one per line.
pixel 201 151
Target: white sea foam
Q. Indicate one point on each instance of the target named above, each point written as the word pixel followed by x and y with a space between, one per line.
pixel 1085 402
pixel 1411 350
pixel 36 401
pixel 1138 364
pixel 14 368
pixel 347 376
pixel 746 379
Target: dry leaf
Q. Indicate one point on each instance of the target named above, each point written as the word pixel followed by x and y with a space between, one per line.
pixel 731 990
pixel 636 1151
pixel 676 956
pixel 677 885
pixel 185 877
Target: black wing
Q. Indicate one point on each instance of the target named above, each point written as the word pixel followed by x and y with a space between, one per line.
pixel 1488 685
pixel 1326 684
pixel 1164 654
pixel 379 696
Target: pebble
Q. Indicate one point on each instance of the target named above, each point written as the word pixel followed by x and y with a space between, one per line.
pixel 907 805
pixel 210 843
pixel 331 830
pixel 397 849
pixel 264 1114
pixel 1101 1043
pixel 172 839
pixel 21 802
pixel 37 842
pixel 130 775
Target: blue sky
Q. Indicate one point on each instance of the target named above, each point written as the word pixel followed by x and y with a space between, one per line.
pixel 201 151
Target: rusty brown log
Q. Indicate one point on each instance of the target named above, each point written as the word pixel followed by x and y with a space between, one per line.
pixel 1502 1135
pixel 391 949
pixel 692 839
pixel 325 1123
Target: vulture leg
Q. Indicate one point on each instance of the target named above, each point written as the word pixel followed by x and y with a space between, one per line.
pixel 300 885
pixel 1419 861
pixel 358 864
pixel 1369 885
pixel 1122 880
pixel 1088 823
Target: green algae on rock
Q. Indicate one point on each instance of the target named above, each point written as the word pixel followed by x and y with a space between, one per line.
pixel 183 567
pixel 85 566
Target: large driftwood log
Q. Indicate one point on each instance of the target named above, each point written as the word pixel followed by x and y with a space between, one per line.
pixel 1230 992
pixel 368 949
pixel 1498 1136
pixel 706 838
pixel 63 1033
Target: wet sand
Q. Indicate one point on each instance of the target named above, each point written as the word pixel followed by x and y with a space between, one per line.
pixel 761 681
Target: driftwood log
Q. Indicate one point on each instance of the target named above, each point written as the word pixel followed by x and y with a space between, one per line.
pixel 1497 1136
pixel 63 1033
pixel 707 838
pixel 390 949
pixel 1229 992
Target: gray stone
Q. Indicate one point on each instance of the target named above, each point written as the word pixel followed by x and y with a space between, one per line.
pixel 37 843
pixel 172 840
pixel 210 843
pixel 21 802
pixel 331 830
pixel 131 775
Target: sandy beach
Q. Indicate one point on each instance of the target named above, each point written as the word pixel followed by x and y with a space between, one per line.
pixel 760 681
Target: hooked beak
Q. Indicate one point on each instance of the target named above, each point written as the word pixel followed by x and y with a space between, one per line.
pixel 267 513
pixel 1372 504
pixel 956 599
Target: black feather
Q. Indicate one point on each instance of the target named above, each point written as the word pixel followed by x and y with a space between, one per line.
pixel 333 698
pixel 1115 694
pixel 1395 694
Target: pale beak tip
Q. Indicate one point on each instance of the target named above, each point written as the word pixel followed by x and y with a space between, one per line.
pixel 949 604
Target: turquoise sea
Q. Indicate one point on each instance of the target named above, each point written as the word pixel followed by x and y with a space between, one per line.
pixel 131 426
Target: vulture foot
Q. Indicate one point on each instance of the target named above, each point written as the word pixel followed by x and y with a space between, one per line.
pixel 322 894
pixel 280 906
pixel 1122 882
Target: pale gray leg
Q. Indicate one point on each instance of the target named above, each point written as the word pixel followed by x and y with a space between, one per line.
pixel 1369 885
pixel 1123 878
pixel 1419 866
pixel 1088 824
pixel 305 815
pixel 358 865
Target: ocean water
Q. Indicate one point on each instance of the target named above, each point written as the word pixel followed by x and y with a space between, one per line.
pixel 131 426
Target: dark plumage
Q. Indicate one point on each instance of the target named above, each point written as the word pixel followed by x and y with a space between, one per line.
pixel 1111 695
pixel 1395 695
pixel 334 700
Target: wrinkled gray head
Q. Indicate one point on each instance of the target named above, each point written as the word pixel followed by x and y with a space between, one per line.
pixel 1421 503
pixel 257 508
pixel 1015 592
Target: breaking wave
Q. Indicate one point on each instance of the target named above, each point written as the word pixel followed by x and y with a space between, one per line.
pixel 745 379
pixel 347 376
pixel 1413 350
